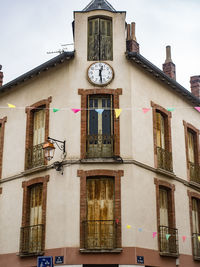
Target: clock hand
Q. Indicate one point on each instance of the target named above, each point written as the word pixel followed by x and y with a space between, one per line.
pixel 100 73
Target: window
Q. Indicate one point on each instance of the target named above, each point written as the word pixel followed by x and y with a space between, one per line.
pixel 100 135
pixel 168 234
pixel 192 152
pixel 162 138
pixel 2 126
pixel 100 39
pixel 37 133
pixel 100 127
pixel 33 221
pixel 100 209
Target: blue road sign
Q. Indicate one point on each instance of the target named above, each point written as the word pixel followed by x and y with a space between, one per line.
pixel 59 259
pixel 45 261
pixel 140 259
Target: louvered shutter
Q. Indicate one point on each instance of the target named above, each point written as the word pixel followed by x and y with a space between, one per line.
pixel 191 152
pixel 195 216
pixel 39 127
pixel 163 198
pixel 106 40
pixel 160 130
pixel 93 39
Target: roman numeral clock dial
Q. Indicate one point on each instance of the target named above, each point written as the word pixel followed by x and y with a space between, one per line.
pixel 100 73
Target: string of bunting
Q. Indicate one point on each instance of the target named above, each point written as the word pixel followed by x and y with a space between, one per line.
pixel 155 234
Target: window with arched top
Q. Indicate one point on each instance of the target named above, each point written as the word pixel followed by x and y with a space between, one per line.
pixel 100 43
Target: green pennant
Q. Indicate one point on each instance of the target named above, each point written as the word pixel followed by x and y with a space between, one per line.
pixel 55 109
pixel 170 109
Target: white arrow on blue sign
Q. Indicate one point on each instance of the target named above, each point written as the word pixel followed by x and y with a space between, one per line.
pixel 45 261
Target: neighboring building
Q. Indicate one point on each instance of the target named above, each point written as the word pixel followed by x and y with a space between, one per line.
pixel 131 183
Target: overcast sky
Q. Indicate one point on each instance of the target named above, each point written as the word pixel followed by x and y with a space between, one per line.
pixel 29 29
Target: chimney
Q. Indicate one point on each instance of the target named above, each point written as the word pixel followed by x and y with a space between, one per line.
pixel 131 42
pixel 169 68
pixel 195 85
pixel 1 76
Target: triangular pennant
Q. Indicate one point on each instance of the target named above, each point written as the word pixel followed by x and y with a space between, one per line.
pixel 168 236
pixel 154 234
pixel 117 221
pixel 55 109
pixel 100 110
pixel 11 106
pixel 140 229
pixel 75 110
pixel 184 238
pixel 199 238
pixel 118 112
pixel 170 109
pixel 197 108
pixel 145 110
pixel 128 226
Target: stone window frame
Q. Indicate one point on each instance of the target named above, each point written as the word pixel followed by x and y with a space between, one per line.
pixel 116 127
pixel 196 196
pixel 172 216
pixel 26 198
pixel 29 123
pixel 83 198
pixel 197 153
pixel 168 115
pixel 2 124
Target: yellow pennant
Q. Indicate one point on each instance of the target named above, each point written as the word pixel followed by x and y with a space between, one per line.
pixel 128 226
pixel 199 238
pixel 11 106
pixel 118 112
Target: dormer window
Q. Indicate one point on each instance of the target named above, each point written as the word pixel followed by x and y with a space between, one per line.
pixel 100 45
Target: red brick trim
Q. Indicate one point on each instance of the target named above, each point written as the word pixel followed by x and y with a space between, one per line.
pixel 1 190
pixel 171 189
pixel 197 152
pixel 83 197
pixel 84 94
pixel 2 125
pixel 29 122
pixel 168 116
pixel 25 208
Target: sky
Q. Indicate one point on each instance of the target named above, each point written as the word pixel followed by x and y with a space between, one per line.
pixel 30 29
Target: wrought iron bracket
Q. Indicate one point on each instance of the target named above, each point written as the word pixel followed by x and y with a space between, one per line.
pixel 55 141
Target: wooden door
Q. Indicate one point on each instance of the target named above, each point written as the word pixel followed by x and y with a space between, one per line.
pixel 100 213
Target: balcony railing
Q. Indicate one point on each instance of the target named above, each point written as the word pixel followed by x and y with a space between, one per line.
pixel 194 172
pixel 164 158
pixel 100 146
pixel 168 238
pixel 99 234
pixel 35 156
pixel 196 245
pixel 31 239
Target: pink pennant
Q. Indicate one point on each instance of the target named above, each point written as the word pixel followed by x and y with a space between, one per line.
pixel 75 110
pixel 117 221
pixel 154 234
pixel 184 238
pixel 197 108
pixel 145 110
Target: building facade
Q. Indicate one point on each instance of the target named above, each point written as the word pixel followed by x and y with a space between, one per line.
pixel 126 190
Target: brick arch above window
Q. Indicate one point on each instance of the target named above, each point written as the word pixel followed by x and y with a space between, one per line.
pixel 116 128
pixel 2 129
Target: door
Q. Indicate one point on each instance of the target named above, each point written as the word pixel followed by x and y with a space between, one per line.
pixel 100 213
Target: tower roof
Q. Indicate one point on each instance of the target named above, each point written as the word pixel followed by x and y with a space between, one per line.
pixel 99 5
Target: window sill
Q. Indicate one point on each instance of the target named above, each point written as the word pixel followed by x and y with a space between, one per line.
pixel 34 170
pixel 115 250
pixel 168 173
pixel 102 160
pixel 30 254
pixel 196 258
pixel 168 254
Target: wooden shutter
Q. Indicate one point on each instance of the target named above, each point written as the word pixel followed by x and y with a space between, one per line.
pixel 39 127
pixel 93 39
pixel 191 149
pixel 160 130
pixel 0 136
pixel 163 199
pixel 106 51
pixel 195 216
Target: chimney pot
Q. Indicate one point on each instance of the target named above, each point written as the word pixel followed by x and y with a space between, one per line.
pixel 1 76
pixel 131 41
pixel 169 68
pixel 195 85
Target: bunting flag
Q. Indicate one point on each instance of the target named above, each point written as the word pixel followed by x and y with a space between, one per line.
pixel 168 236
pixel 128 226
pixel 11 106
pixel 199 238
pixel 145 110
pixel 100 110
pixel 55 109
pixel 140 229
pixel 154 234
pixel 117 221
pixel 170 109
pixel 197 108
pixel 75 110
pixel 184 238
pixel 118 112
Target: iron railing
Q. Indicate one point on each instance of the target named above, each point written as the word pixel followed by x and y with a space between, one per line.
pixel 100 234
pixel 168 239
pixel 194 172
pixel 196 245
pixel 31 239
pixel 35 156
pixel 100 146
pixel 164 158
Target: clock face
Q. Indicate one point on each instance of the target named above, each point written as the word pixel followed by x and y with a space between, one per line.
pixel 100 73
